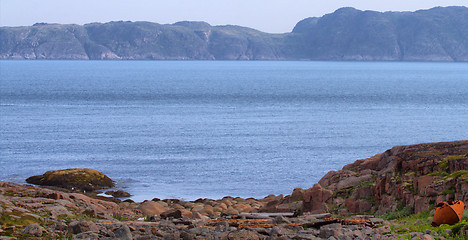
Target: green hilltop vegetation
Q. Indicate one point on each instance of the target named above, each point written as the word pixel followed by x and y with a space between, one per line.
pixel 437 34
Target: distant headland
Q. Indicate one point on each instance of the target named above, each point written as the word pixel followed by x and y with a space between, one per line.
pixel 348 34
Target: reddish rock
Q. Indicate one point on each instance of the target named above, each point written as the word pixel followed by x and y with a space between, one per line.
pixel 297 195
pixel 315 199
pixel 461 163
pixel 150 208
pixel 358 205
pixel 366 192
pixel 243 208
pixel 55 196
pixel 83 226
pixel 271 206
pixel 186 213
pixel 231 211
pixel 461 191
pixel 423 183
pixel 243 235
pixel 173 213
pixel 400 174
pixel 207 210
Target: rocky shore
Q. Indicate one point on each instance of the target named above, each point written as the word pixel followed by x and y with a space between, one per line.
pixel 374 198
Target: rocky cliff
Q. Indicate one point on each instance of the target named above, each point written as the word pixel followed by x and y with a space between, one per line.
pixel 415 176
pixel 438 34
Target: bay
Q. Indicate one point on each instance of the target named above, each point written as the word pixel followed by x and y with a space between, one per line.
pixel 192 129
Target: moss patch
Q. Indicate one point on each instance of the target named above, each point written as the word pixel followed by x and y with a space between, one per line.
pixel 456 157
pixel 444 165
pixel 421 222
pixel 82 179
pixel 16 218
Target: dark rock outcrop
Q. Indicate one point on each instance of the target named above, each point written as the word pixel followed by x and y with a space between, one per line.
pixel 118 194
pixel 438 34
pixel 80 179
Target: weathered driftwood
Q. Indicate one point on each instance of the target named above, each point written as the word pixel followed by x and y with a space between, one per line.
pixel 182 222
pixel 265 215
pixel 327 221
pixel 319 224
pixel 248 223
pixel 320 216
pixel 273 215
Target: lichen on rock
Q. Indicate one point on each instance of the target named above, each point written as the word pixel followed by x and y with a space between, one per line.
pixel 80 179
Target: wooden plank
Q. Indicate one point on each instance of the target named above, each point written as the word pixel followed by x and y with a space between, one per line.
pixel 319 216
pixel 319 224
pixel 265 215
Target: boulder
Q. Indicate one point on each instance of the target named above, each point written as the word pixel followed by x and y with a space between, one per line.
pixel 83 226
pixel 123 233
pixel 33 229
pixel 243 207
pixel 231 211
pixel 150 208
pixel 173 213
pixel 55 196
pixel 207 210
pixel 80 179
pixel 186 213
pixel 118 194
pixel 243 235
pixel 315 199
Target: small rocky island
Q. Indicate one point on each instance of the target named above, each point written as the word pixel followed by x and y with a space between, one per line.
pixel 73 179
pixel 388 196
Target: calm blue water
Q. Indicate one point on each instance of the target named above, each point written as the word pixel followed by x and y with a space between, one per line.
pixel 209 129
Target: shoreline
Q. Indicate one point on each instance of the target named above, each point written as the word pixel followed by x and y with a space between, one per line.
pixel 369 199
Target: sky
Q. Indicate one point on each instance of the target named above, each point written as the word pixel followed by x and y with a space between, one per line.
pixel 273 16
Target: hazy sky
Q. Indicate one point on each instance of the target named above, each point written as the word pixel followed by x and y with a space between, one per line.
pixel 272 16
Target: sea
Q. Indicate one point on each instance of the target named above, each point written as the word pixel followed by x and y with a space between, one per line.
pixel 209 129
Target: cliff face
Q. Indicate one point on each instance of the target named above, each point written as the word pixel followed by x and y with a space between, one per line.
pixel 438 34
pixel 418 176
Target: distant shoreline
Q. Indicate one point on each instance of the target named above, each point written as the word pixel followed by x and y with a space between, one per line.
pixel 347 34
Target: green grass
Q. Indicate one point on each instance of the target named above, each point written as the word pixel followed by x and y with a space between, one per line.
pixel 119 217
pixel 410 187
pixel 444 165
pixel 445 176
pixel 346 192
pixel 439 174
pixel 16 218
pixel 401 213
pixel 365 184
pixel 449 190
pixel 69 219
pixel 406 223
pixel 462 174
pixel 456 157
